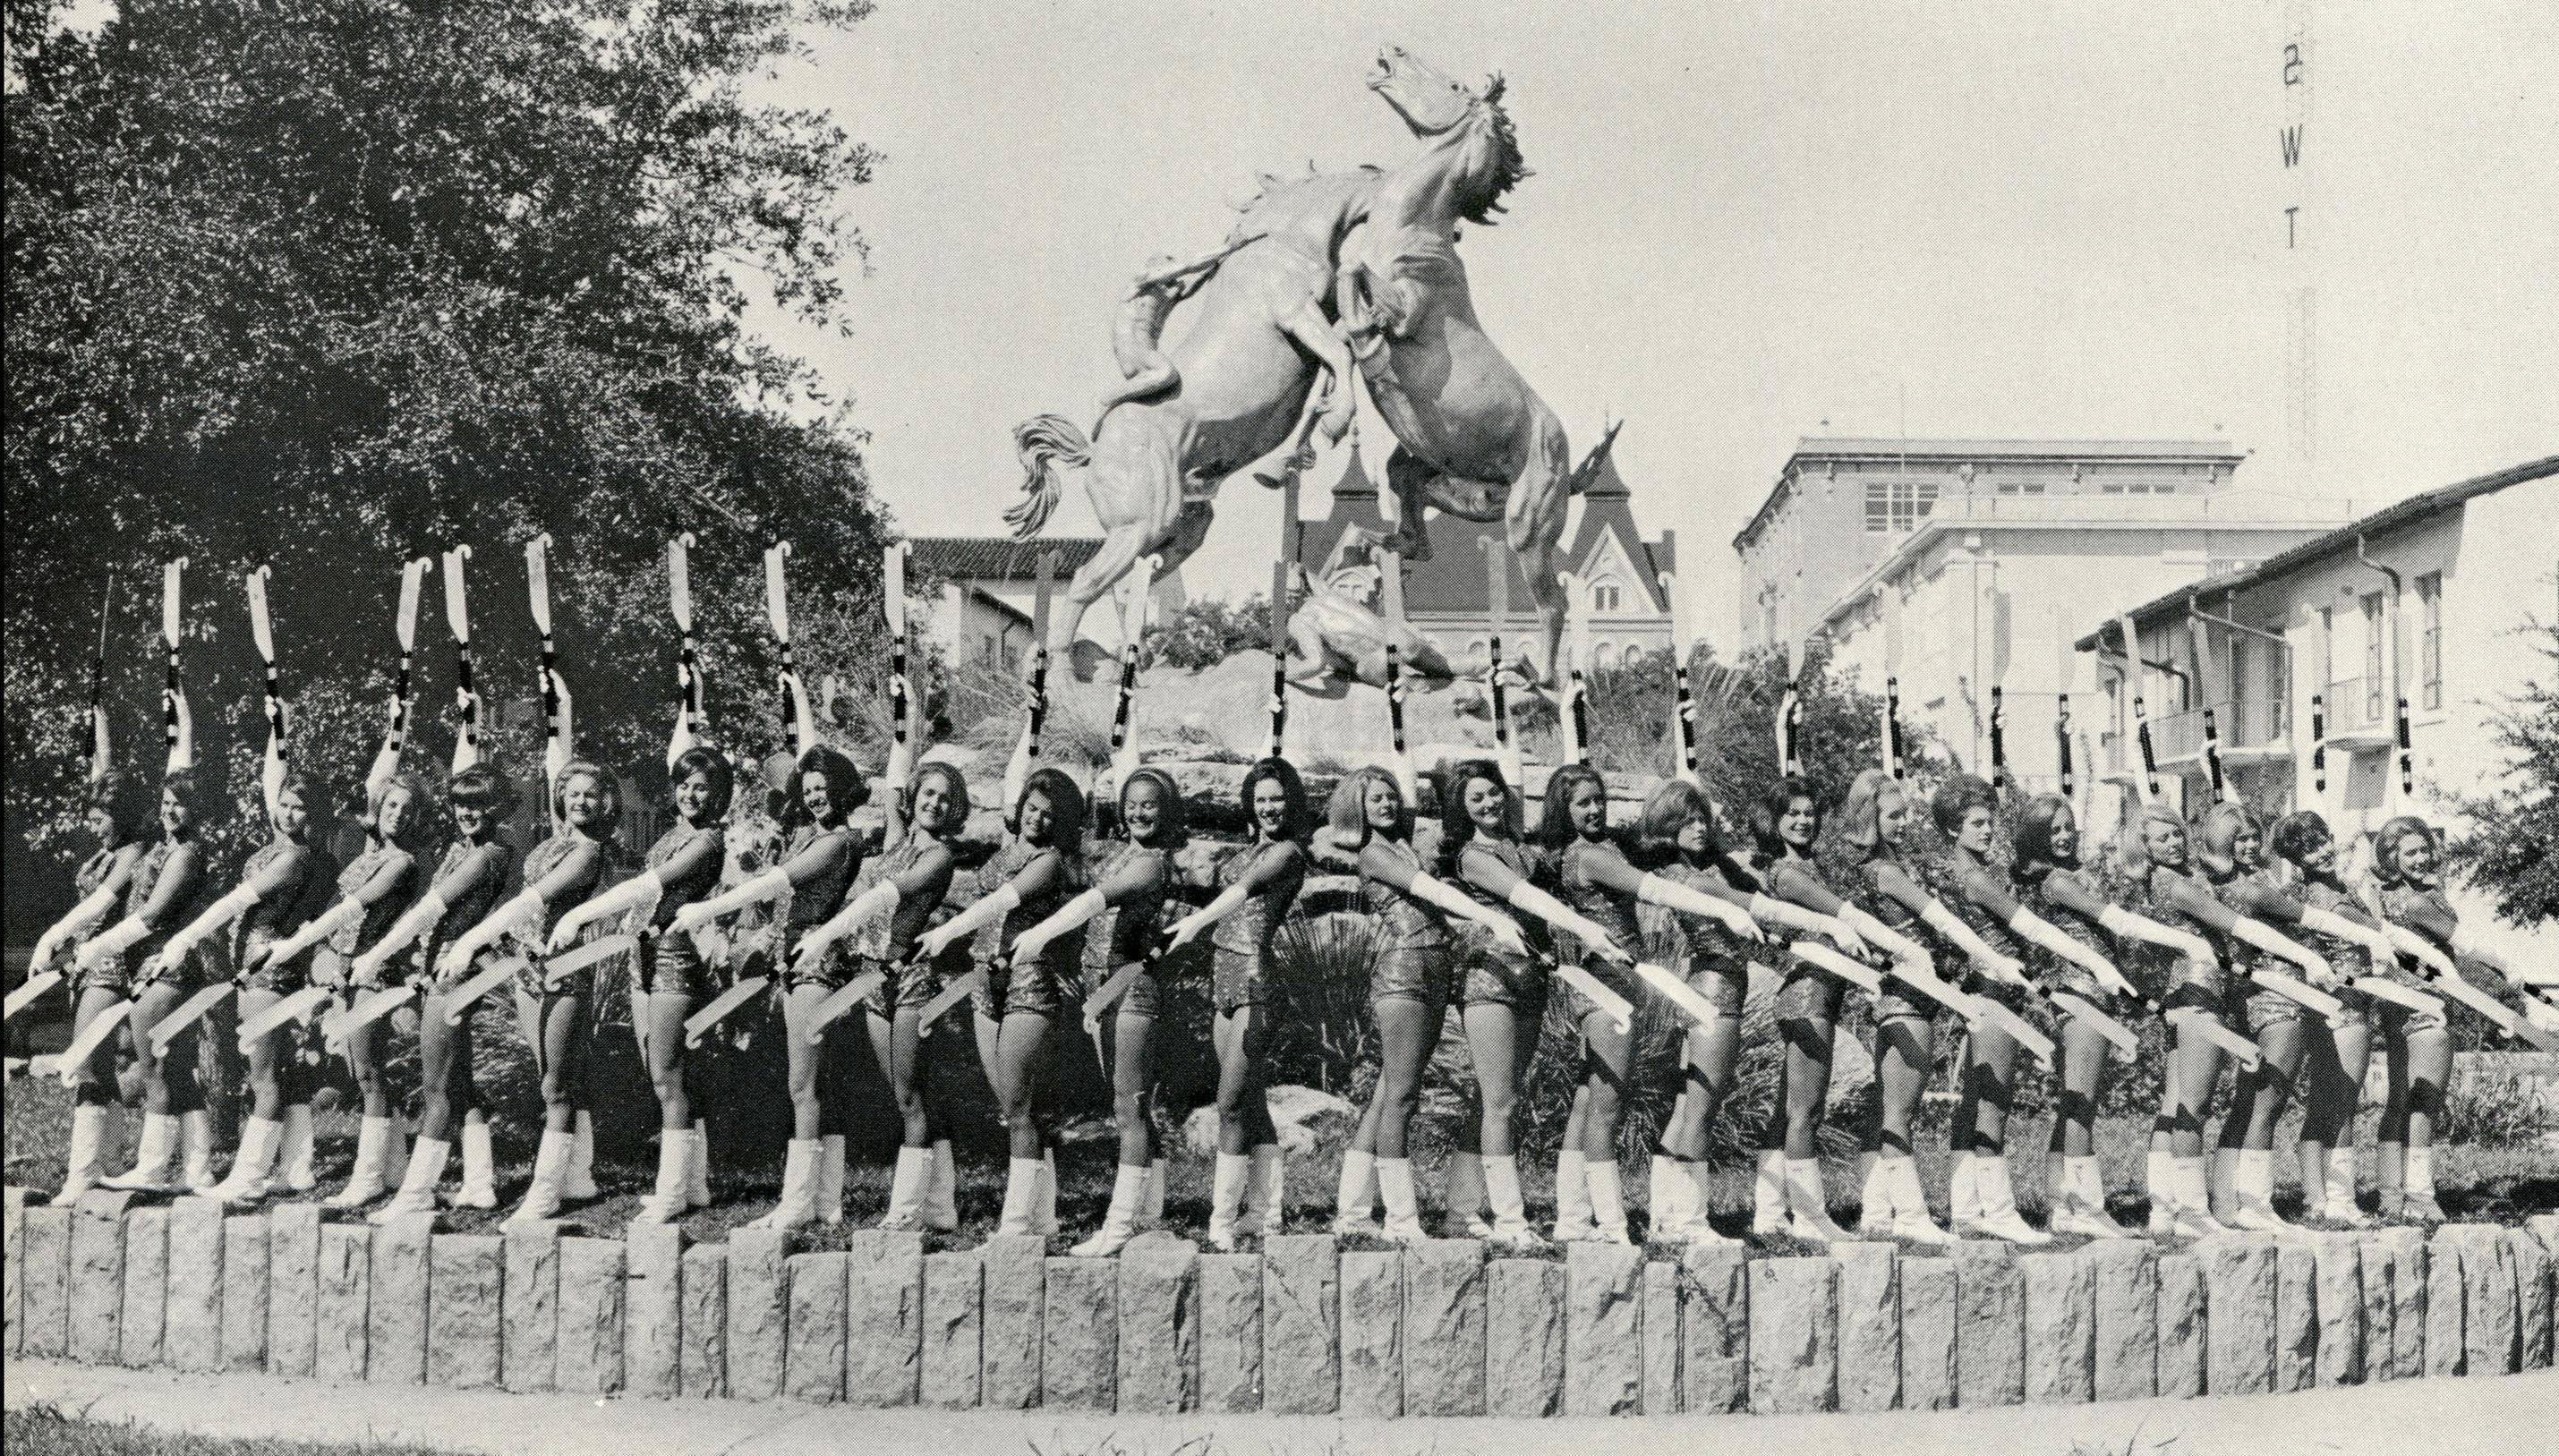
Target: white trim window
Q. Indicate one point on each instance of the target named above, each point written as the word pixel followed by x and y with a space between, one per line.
pixel 1607 595
pixel 2430 640
pixel 1898 506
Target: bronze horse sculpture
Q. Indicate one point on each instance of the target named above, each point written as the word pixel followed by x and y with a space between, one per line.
pixel 1261 339
pixel 1473 437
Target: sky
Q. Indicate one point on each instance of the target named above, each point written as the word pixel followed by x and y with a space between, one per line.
pixel 1748 222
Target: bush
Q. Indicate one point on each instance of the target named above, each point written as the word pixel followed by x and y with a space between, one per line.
pixel 2493 1106
pixel 1207 632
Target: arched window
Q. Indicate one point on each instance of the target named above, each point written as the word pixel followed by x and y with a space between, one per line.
pixel 1606 595
pixel 1603 656
pixel 1476 646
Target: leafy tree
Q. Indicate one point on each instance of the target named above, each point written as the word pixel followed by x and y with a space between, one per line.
pixel 2504 848
pixel 329 285
pixel 1204 633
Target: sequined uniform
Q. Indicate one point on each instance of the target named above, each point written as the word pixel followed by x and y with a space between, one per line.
pixel 1962 889
pixel 305 894
pixel 138 893
pixel 2344 956
pixel 2413 906
pixel 671 962
pixel 531 977
pixel 2247 1006
pixel 1055 980
pixel 1614 910
pixel 2052 971
pixel 2190 982
pixel 346 941
pixel 1717 967
pixel 1123 933
pixel 1858 879
pixel 885 943
pixel 1414 959
pixel 1241 943
pixel 112 976
pixel 1490 975
pixel 468 911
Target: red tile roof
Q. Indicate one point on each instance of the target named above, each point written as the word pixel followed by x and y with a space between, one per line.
pixel 996 558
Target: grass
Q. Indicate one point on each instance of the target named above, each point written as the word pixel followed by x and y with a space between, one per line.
pixel 2488 1184
pixel 48 1430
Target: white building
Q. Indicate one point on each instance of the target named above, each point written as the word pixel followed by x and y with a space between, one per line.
pixel 2423 601
pixel 985 589
pixel 2001 563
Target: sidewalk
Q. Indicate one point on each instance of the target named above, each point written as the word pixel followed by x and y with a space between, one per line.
pixel 2479 1417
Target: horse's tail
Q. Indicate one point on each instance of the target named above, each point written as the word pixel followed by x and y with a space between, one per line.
pixel 1046 443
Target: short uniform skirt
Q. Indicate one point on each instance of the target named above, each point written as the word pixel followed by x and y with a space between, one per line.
pixel 1723 985
pixel 907 985
pixel 672 965
pixel 1413 973
pixel 1615 978
pixel 1809 994
pixel 1144 996
pixel 1240 978
pixel 282 980
pixel 1491 979
pixel 115 976
pixel 1030 990
pixel 2199 985
pixel 2252 1009
pixel 1898 1002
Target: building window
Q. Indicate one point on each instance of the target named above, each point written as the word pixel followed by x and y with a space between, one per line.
pixel 1897 506
pixel 2373 684
pixel 1476 646
pixel 1605 597
pixel 2022 487
pixel 2429 638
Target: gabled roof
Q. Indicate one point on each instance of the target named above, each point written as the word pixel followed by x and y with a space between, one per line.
pixel 1454 580
pixel 2415 509
pixel 996 558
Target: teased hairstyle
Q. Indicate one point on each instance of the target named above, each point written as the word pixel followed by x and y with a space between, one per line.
pixel 1957 797
pixel 483 788
pixel 2132 846
pixel 1066 810
pixel 955 789
pixel 846 788
pixel 1555 816
pixel 1862 812
pixel 2220 829
pixel 1454 827
pixel 1293 787
pixel 412 828
pixel 713 765
pixel 2029 840
pixel 1347 814
pixel 1173 828
pixel 2386 846
pixel 1772 807
pixel 1669 810
pixel 182 783
pixel 2298 835
pixel 588 768
pixel 119 797
pixel 304 784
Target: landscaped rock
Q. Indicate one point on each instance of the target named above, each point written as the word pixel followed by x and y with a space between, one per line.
pixel 1794 1335
pixel 759 1312
pixel 13 1253
pixel 2061 1328
pixel 2410 1283
pixel 145 1312
pixel 884 1292
pixel 345 1294
pixel 1080 1355
pixel 1302 1114
pixel 1373 1334
pixel 701 1361
pixel 245 1292
pixel 1524 1351
pixel 2239 1297
pixel 1660 1325
pixel 1016 1280
pixel 2295 1317
pixel 530 1359
pixel 1603 1310
pixel 1870 1325
pixel 2124 1279
pixel 2181 1325
pixel 2489 1325
pixel 1444 1327
pixel 2532 1293
pixel 2338 1302
pixel 589 1348
pixel 2372 1258
pixel 1715 1329
pixel 293 1289
pixel 954 1305
pixel 813 1332
pixel 1231 1294
pixel 465 1291
pixel 1927 1334
pixel 45 1281
pixel 1300 1324
pixel 96 1277
pixel 1989 1324
pixel 193 1336
pixel 2447 1295
pixel 653 1302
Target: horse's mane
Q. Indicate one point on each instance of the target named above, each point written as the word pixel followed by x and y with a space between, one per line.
pixel 1509 167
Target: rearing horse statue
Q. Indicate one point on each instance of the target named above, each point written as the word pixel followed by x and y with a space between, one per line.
pixel 1259 341
pixel 1472 438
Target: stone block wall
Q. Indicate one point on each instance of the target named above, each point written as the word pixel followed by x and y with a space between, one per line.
pixel 1450 1328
